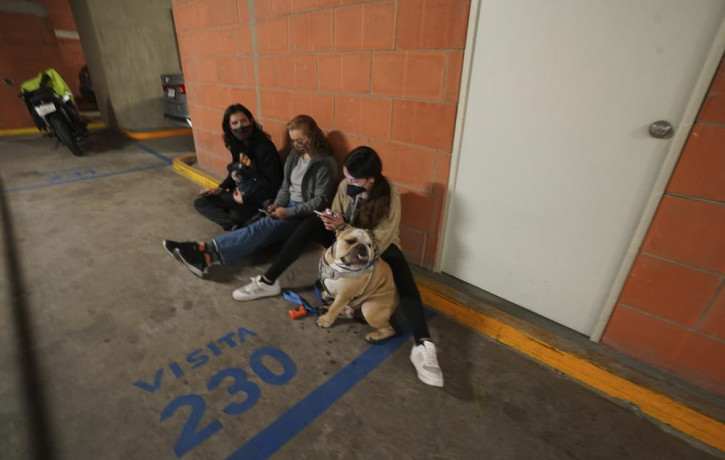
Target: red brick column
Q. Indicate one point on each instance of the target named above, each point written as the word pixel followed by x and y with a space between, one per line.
pixel 671 312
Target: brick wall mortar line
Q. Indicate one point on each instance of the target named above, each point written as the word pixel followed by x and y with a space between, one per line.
pixel 427 101
pixel 372 77
pixel 446 70
pixel 436 165
pixel 361 50
pixel 695 198
pixel 672 323
pixel 255 55
pixel 710 123
pixel 710 304
pixel 377 96
pixel 357 51
pixel 334 30
pixel 422 191
pixel 230 85
pixel 682 264
pixel 371 138
pixel 395 26
pixel 287 25
pixel 316 9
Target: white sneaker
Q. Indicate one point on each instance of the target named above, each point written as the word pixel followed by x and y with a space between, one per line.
pixel 256 289
pixel 424 359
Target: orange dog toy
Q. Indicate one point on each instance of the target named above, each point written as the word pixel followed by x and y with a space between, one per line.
pixel 297 313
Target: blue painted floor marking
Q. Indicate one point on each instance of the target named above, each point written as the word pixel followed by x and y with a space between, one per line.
pixel 288 425
pixel 53 182
pixel 78 179
pixel 153 152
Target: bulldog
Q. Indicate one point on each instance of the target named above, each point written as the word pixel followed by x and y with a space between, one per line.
pixel 355 279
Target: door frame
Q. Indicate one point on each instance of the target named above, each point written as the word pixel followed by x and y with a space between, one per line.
pixel 682 131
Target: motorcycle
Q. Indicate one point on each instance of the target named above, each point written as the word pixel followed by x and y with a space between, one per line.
pixel 52 112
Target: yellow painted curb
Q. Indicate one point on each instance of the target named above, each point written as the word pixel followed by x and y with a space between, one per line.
pixel 181 166
pixel 19 131
pixel 657 405
pixel 155 134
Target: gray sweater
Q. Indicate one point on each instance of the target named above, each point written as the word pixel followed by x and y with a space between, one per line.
pixel 318 184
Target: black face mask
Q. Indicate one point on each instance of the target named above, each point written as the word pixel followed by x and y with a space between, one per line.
pixel 243 132
pixel 355 190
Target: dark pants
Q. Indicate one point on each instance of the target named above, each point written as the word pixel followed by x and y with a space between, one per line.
pixel 223 210
pixel 410 300
pixel 311 229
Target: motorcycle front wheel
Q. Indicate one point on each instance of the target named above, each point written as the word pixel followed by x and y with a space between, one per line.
pixel 64 133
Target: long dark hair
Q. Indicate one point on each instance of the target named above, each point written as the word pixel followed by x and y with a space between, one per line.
pixel 229 138
pixel 362 163
pixel 309 128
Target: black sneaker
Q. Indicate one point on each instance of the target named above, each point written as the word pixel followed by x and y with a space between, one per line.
pixel 172 246
pixel 193 258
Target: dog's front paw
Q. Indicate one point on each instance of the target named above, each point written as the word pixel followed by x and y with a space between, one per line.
pixel 325 320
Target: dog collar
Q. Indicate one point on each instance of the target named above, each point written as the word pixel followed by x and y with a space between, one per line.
pixel 338 271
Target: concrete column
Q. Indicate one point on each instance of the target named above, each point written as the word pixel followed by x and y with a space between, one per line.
pixel 128 45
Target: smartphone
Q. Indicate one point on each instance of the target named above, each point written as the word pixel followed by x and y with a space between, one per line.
pixel 263 211
pixel 320 213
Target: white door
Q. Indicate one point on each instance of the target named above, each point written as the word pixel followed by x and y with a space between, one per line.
pixel 556 162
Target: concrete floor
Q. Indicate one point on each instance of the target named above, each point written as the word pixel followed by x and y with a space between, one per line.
pixel 139 359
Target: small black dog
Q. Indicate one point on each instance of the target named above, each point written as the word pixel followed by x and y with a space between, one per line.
pixel 235 170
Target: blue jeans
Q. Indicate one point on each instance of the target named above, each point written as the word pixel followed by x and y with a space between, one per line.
pixel 245 241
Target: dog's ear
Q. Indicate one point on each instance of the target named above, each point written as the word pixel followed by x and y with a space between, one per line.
pixel 340 230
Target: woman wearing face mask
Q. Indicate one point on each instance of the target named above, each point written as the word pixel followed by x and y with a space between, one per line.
pixel 364 199
pixel 255 157
pixel 310 174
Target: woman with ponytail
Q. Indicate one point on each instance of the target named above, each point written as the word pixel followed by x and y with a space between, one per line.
pixel 364 199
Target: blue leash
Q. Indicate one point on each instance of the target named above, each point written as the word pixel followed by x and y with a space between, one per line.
pixel 299 300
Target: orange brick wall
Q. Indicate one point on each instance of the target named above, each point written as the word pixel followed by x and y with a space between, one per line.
pixel 671 312
pixel 384 73
pixel 71 51
pixel 28 45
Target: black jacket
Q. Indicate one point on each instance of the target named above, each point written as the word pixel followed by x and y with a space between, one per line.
pixel 263 177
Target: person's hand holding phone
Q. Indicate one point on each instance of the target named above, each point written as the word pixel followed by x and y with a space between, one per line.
pixel 277 212
pixel 331 220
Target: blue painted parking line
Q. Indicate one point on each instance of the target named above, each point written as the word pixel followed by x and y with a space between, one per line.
pixel 53 183
pixel 153 152
pixel 292 422
pixel 53 179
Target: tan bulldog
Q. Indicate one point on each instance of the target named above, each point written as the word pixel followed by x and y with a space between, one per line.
pixel 355 278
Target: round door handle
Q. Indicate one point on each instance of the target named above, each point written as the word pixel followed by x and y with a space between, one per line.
pixel 661 129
